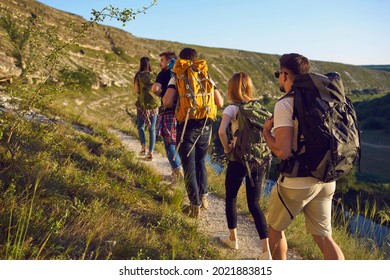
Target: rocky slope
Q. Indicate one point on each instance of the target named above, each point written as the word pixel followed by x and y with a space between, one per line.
pixel 113 54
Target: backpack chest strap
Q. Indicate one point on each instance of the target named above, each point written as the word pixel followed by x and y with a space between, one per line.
pixel 197 94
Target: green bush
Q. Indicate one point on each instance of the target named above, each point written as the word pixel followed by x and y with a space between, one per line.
pixel 79 79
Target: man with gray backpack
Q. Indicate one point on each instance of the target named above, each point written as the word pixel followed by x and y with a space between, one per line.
pixel 314 132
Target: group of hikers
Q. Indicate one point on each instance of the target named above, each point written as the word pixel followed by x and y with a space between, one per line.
pixel 186 105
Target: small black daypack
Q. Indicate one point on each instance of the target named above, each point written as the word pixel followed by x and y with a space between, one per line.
pixel 250 148
pixel 330 145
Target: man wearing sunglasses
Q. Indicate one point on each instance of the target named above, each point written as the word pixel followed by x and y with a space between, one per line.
pixel 300 192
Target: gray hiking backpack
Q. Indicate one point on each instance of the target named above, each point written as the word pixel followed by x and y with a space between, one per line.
pixel 328 143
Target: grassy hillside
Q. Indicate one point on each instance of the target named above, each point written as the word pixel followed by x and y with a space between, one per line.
pixel 67 193
pixel 374 119
pixel 113 54
pixel 71 194
pixel 374 114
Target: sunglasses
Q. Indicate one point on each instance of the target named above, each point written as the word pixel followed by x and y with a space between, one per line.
pixel 277 73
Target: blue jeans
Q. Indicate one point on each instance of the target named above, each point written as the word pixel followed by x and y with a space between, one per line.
pixel 170 150
pixel 194 165
pixel 152 131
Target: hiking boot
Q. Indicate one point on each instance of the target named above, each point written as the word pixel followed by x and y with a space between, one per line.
pixel 205 203
pixel 265 256
pixel 225 239
pixel 178 172
pixel 194 211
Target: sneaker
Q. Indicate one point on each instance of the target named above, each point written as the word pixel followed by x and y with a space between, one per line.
pixel 194 211
pixel 205 203
pixel 142 152
pixel 265 256
pixel 225 239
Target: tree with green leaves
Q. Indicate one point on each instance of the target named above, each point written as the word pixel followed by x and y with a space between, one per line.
pixel 37 51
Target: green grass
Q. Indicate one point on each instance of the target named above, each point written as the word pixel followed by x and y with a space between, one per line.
pixel 69 194
pixel 366 97
pixel 91 192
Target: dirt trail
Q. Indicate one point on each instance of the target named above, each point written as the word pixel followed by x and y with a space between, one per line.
pixel 212 221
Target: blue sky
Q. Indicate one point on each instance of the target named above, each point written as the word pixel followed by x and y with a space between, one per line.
pixel 347 31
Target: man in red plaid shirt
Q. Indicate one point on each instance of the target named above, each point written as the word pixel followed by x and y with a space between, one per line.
pixel 166 122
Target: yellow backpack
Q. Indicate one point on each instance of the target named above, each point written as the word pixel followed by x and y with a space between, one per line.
pixel 195 90
pixel 196 95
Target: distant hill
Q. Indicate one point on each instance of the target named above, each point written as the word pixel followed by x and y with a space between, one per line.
pixel 374 114
pixel 113 55
pixel 378 67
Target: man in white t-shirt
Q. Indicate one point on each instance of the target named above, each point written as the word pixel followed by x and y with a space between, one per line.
pixel 296 191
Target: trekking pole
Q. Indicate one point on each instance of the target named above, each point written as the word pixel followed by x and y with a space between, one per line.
pixel 182 134
pixel 211 134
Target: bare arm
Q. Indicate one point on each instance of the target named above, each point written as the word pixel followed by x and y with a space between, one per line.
pixel 169 97
pixel 281 143
pixel 157 89
pixel 223 135
pixel 218 99
pixel 136 87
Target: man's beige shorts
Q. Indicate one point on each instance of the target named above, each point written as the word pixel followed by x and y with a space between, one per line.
pixel 315 202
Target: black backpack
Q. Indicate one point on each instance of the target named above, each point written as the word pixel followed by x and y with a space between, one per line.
pixel 330 145
pixel 250 148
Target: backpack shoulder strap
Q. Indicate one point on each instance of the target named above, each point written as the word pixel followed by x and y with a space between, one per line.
pixel 238 104
pixel 287 95
pixel 145 76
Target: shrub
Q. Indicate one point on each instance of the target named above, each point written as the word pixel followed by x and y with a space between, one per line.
pixel 79 79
